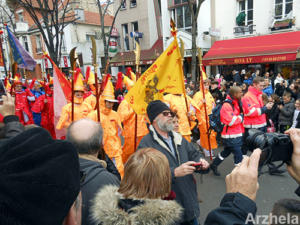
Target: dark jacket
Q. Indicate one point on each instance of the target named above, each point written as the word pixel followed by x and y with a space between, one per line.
pixel 184 187
pixel 235 208
pixel 110 208
pixel 286 113
pixel 12 127
pixel 96 177
pixel 298 121
pixel 237 78
pixel 218 93
pixel 273 114
pixel 111 167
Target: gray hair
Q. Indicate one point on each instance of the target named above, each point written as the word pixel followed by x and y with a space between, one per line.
pixel 85 143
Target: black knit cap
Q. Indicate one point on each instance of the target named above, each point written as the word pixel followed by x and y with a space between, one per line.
pixel 156 107
pixel 39 179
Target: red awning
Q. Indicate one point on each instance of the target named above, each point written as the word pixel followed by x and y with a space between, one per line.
pixel 259 49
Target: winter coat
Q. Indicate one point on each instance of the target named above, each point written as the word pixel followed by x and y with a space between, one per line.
pixel 184 187
pixel 268 90
pixel 110 207
pixel 218 93
pixel 235 208
pixel 237 78
pixel 96 177
pixel 273 114
pixel 232 119
pixel 254 109
pixel 12 127
pixel 286 113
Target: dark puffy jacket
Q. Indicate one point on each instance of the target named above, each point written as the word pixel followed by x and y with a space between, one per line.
pixel 184 187
pixel 12 127
pixel 235 208
pixel 286 113
pixel 96 177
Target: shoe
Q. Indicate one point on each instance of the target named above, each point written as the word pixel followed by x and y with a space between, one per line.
pixel 214 168
pixel 276 171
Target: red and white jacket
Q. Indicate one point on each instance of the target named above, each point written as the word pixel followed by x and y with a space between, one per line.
pixel 254 110
pixel 231 118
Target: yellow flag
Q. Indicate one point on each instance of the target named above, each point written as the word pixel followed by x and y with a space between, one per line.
pixel 164 75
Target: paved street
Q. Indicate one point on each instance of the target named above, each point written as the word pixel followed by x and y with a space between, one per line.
pixel 272 188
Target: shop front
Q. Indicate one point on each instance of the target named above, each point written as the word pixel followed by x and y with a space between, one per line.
pixel 276 52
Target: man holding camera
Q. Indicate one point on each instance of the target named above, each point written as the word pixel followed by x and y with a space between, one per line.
pixel 242 186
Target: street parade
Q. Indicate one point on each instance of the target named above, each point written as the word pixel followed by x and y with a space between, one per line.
pixel 99 127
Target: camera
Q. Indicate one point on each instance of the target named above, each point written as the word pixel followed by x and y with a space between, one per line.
pixel 275 146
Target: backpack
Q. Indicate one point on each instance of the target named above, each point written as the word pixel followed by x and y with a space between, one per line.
pixel 215 117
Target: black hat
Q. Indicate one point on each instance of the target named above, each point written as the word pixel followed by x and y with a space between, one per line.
pixel 155 108
pixel 39 179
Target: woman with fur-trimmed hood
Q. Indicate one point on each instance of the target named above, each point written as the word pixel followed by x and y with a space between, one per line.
pixel 141 198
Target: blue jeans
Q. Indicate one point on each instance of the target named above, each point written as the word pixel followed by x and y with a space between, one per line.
pixel 234 146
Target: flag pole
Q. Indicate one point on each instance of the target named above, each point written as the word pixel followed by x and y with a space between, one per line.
pixel 137 62
pixel 73 64
pixel 94 54
pixel 204 103
pixel 174 34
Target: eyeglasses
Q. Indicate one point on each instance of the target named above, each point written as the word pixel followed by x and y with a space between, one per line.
pixel 168 113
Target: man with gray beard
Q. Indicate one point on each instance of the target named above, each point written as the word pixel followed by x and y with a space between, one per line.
pixel 182 157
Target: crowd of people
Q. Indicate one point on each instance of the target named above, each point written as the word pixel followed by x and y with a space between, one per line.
pixel 116 167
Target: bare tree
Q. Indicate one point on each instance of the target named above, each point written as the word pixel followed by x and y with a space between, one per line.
pixel 194 6
pixel 102 13
pixel 7 16
pixel 50 17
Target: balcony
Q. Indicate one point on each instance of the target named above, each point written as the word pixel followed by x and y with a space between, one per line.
pixel 244 30
pixel 21 27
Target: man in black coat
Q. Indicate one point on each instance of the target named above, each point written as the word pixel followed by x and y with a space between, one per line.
pixel 236 77
pixel 182 157
pixel 94 172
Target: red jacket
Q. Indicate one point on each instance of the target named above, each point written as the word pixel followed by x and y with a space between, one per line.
pixel 231 118
pixel 22 108
pixel 47 112
pixel 254 109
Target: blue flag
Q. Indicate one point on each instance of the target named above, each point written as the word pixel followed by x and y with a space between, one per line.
pixel 21 56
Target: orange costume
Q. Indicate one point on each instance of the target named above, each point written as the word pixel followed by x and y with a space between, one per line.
pixel 112 128
pixel 127 116
pixel 91 100
pixel 177 104
pixel 81 109
pixel 210 103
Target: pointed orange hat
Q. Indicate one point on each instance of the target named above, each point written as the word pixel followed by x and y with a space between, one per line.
pixel 108 93
pixel 78 81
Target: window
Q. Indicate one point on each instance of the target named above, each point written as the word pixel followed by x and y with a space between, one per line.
pixel 132 3
pixel 183 18
pixel 125 36
pixel 25 43
pixel 88 36
pixel 123 4
pixel 177 2
pixel 283 8
pixel 246 7
pixel 135 28
pixel 38 43
pixel 20 16
pixel 79 13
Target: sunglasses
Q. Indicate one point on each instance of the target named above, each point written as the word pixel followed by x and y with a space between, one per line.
pixel 168 113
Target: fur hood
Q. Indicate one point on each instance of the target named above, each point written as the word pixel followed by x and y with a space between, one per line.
pixel 105 210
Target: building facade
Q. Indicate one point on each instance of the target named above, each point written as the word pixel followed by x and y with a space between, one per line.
pixel 255 18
